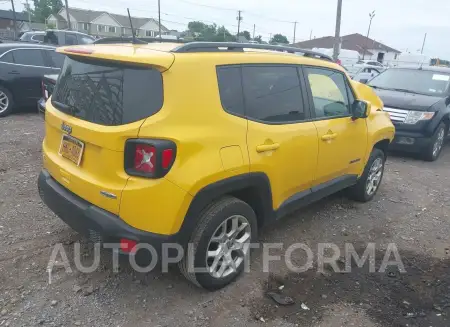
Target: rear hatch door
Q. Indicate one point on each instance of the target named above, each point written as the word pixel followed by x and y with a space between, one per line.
pixel 97 105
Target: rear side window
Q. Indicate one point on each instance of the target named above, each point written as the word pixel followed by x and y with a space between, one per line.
pixel 273 93
pixel 230 87
pixel 106 93
pixel 38 37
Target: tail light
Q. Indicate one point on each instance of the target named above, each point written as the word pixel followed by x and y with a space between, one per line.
pixel 149 158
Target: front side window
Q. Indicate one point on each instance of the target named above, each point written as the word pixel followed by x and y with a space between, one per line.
pixel 57 58
pixel 272 93
pixel 32 57
pixel 84 39
pixel 71 39
pixel 329 92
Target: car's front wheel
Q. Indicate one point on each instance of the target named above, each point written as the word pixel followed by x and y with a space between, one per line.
pixel 220 244
pixel 369 182
pixel 434 149
pixel 6 102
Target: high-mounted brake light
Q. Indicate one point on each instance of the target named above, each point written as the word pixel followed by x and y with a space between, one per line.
pixel 149 158
pixel 79 50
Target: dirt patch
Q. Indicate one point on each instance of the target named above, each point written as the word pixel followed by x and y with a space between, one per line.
pixel 418 297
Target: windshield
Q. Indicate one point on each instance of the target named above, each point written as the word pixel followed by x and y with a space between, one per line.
pixel 108 93
pixel 414 81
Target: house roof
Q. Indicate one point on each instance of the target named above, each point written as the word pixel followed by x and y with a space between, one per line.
pixel 354 41
pixel 87 16
pixel 83 15
pixel 8 14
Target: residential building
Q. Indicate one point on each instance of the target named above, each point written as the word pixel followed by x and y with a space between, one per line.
pixel 367 47
pixel 101 23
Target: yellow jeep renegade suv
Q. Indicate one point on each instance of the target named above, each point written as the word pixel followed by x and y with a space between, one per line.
pixel 203 144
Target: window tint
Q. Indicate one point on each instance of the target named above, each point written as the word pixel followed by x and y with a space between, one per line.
pixel 329 91
pixel 230 87
pixel 57 58
pixel 108 94
pixel 32 57
pixel 71 39
pixel 272 93
pixel 7 57
pixel 84 39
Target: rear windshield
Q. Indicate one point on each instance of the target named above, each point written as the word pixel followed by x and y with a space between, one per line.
pixel 108 93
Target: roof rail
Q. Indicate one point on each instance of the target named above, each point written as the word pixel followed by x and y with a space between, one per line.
pixel 129 39
pixel 239 47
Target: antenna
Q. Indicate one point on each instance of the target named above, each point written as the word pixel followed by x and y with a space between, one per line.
pixel 134 40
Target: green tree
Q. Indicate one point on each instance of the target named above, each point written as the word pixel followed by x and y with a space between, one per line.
pixel 258 39
pixel 279 39
pixel 223 35
pixel 202 31
pixel 246 34
pixel 43 9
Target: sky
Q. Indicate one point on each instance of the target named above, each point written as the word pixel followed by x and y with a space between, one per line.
pixel 400 24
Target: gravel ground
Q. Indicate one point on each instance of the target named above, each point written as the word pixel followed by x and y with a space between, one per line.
pixel 411 210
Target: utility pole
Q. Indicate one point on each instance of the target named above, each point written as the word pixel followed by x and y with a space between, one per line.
pixel 68 15
pixel 295 30
pixel 29 13
pixel 310 35
pixel 270 37
pixel 239 18
pixel 337 33
pixel 371 15
pixel 15 20
pixel 254 27
pixel 423 44
pixel 159 19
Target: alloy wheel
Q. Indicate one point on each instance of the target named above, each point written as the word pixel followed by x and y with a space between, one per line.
pixel 4 101
pixel 374 178
pixel 228 247
pixel 439 142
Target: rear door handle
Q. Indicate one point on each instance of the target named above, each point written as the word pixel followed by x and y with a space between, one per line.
pixel 267 147
pixel 328 137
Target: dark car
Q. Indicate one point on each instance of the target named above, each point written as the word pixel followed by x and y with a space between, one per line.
pixel 48 84
pixel 22 67
pixel 418 101
pixel 63 37
pixel 34 37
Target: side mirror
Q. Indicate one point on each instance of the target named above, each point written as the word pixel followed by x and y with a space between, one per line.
pixel 360 109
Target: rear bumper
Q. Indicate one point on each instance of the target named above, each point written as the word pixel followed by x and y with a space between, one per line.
pixel 90 220
pixel 418 141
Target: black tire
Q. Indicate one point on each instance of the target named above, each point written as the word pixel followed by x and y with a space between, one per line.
pixel 430 154
pixel 210 219
pixel 359 191
pixel 9 108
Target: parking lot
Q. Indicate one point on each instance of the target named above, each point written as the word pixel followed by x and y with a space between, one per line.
pixel 412 210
